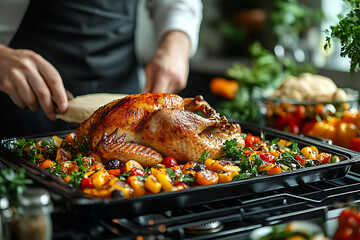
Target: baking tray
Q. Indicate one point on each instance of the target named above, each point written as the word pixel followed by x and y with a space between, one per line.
pixel 75 202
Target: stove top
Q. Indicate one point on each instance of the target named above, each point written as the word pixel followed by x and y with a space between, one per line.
pixel 225 219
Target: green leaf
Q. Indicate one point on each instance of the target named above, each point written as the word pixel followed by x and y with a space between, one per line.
pixel 347 30
pixel 204 156
pixel 170 172
pixel 124 176
pixel 141 177
pixel 186 178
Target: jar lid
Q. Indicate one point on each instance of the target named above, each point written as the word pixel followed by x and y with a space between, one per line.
pixel 35 197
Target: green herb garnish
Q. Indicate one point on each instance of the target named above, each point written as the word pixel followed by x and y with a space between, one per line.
pixel 347 31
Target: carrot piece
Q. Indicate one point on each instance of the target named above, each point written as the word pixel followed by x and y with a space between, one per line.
pixel 114 172
pixel 47 164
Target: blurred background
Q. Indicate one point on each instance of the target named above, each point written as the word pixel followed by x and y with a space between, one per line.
pixel 258 44
pixel 229 27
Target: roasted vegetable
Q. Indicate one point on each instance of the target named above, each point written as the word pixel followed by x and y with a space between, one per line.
pixel 123 180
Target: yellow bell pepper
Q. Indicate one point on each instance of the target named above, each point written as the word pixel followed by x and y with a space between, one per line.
pixel 166 182
pixel 155 170
pixel 152 184
pixel 234 170
pixel 225 176
pixel 275 153
pixel 310 152
pixel 57 141
pixel 324 130
pixel 189 168
pixel 265 168
pixel 137 185
pixel 132 164
pixel 98 192
pixel 99 178
pixel 345 133
pixel 207 177
pixel 213 165
pixel 121 185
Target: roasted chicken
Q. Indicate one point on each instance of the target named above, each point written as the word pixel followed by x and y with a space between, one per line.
pixel 147 127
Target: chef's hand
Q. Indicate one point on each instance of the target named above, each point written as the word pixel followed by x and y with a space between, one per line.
pixel 168 69
pixel 30 81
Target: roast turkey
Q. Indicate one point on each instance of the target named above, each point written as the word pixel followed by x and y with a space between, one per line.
pixel 149 126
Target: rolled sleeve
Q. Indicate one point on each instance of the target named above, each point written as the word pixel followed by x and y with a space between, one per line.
pixel 181 15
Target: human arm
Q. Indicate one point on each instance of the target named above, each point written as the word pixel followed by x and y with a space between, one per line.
pixel 177 24
pixel 168 69
pixel 31 81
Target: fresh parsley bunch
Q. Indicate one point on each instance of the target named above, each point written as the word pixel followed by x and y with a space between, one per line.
pixel 348 32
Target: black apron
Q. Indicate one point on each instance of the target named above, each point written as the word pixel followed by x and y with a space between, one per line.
pixel 90 43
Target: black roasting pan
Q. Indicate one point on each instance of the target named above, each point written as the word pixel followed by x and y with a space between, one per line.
pixel 77 203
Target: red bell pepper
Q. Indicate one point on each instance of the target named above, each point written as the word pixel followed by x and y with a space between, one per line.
pixel 301 161
pixel 86 183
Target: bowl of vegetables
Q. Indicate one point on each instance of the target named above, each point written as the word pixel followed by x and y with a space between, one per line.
pixel 303 101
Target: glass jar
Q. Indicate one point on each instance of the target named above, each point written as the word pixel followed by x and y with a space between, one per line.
pixel 34 215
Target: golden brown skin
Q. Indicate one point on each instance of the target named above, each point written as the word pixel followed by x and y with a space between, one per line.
pixel 110 147
pixel 147 127
pixel 127 114
pixel 127 117
pixel 185 135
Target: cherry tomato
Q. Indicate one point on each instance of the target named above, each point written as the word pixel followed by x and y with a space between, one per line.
pixel 169 162
pixel 250 139
pixel 136 171
pixel 268 157
pixel 88 160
